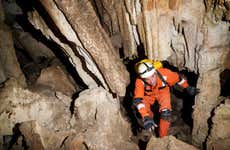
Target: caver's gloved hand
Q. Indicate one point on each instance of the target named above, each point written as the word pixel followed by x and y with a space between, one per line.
pixel 192 90
pixel 149 123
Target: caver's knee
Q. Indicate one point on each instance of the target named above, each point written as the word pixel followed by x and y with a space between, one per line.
pixel 166 114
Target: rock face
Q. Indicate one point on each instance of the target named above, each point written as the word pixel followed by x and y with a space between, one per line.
pixel 9 66
pixel 103 125
pixel 192 35
pixel 85 42
pixel 20 105
pixel 39 137
pixel 54 78
pixel 45 121
pixel 212 59
pixel 220 132
pixel 97 43
pixel 168 143
pixel 36 49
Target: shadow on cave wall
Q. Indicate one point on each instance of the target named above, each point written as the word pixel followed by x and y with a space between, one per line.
pixel 225 83
pixel 56 49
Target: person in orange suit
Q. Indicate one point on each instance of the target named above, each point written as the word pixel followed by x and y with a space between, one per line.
pixel 154 85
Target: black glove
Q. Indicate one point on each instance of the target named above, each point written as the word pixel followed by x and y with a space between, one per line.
pixel 149 123
pixel 192 91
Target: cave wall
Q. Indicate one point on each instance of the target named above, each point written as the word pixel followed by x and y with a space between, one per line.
pixel 220 132
pixel 85 42
pixel 173 30
pixel 9 66
pixel 190 34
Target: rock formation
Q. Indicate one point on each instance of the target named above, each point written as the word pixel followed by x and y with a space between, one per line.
pixel 192 35
pixel 219 137
pixel 9 66
pixel 41 39
pixel 168 143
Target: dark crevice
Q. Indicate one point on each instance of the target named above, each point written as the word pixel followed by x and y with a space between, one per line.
pixel 63 142
pixel 141 52
pixel 121 52
pixel 210 123
pixel 206 5
pixel 186 42
pixel 188 101
pixel 95 115
pixel 142 145
pixel 174 24
pixel 30 69
pixel 12 141
pixel 174 50
pixel 215 4
pixel 72 104
pixel 85 145
pixel 57 50
pixel 225 83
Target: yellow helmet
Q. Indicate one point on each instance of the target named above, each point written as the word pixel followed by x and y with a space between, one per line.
pixel 145 69
pixel 156 64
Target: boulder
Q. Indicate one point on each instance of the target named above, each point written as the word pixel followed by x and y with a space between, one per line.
pixel 168 143
pixel 20 105
pixel 220 131
pixel 54 78
pixel 38 137
pixel 100 118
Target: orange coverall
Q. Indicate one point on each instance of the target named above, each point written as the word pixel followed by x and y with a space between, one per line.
pixel 159 92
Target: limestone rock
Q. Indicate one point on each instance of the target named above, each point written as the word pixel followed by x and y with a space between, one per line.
pixel 168 143
pixel 97 43
pixel 204 104
pixel 2 74
pixel 85 44
pixel 20 105
pixel 212 58
pixel 84 69
pixel 8 60
pixel 56 79
pixel 45 120
pixel 38 137
pixel 75 143
pixel 103 125
pixel 36 49
pixel 220 131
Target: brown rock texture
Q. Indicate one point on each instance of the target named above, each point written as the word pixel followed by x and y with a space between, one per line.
pixel 9 66
pixel 54 78
pixel 97 43
pixel 101 120
pixel 192 35
pixel 168 143
pixel 20 105
pixel 220 132
pixel 39 137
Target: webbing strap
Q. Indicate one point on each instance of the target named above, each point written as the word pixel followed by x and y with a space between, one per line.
pixel 162 79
